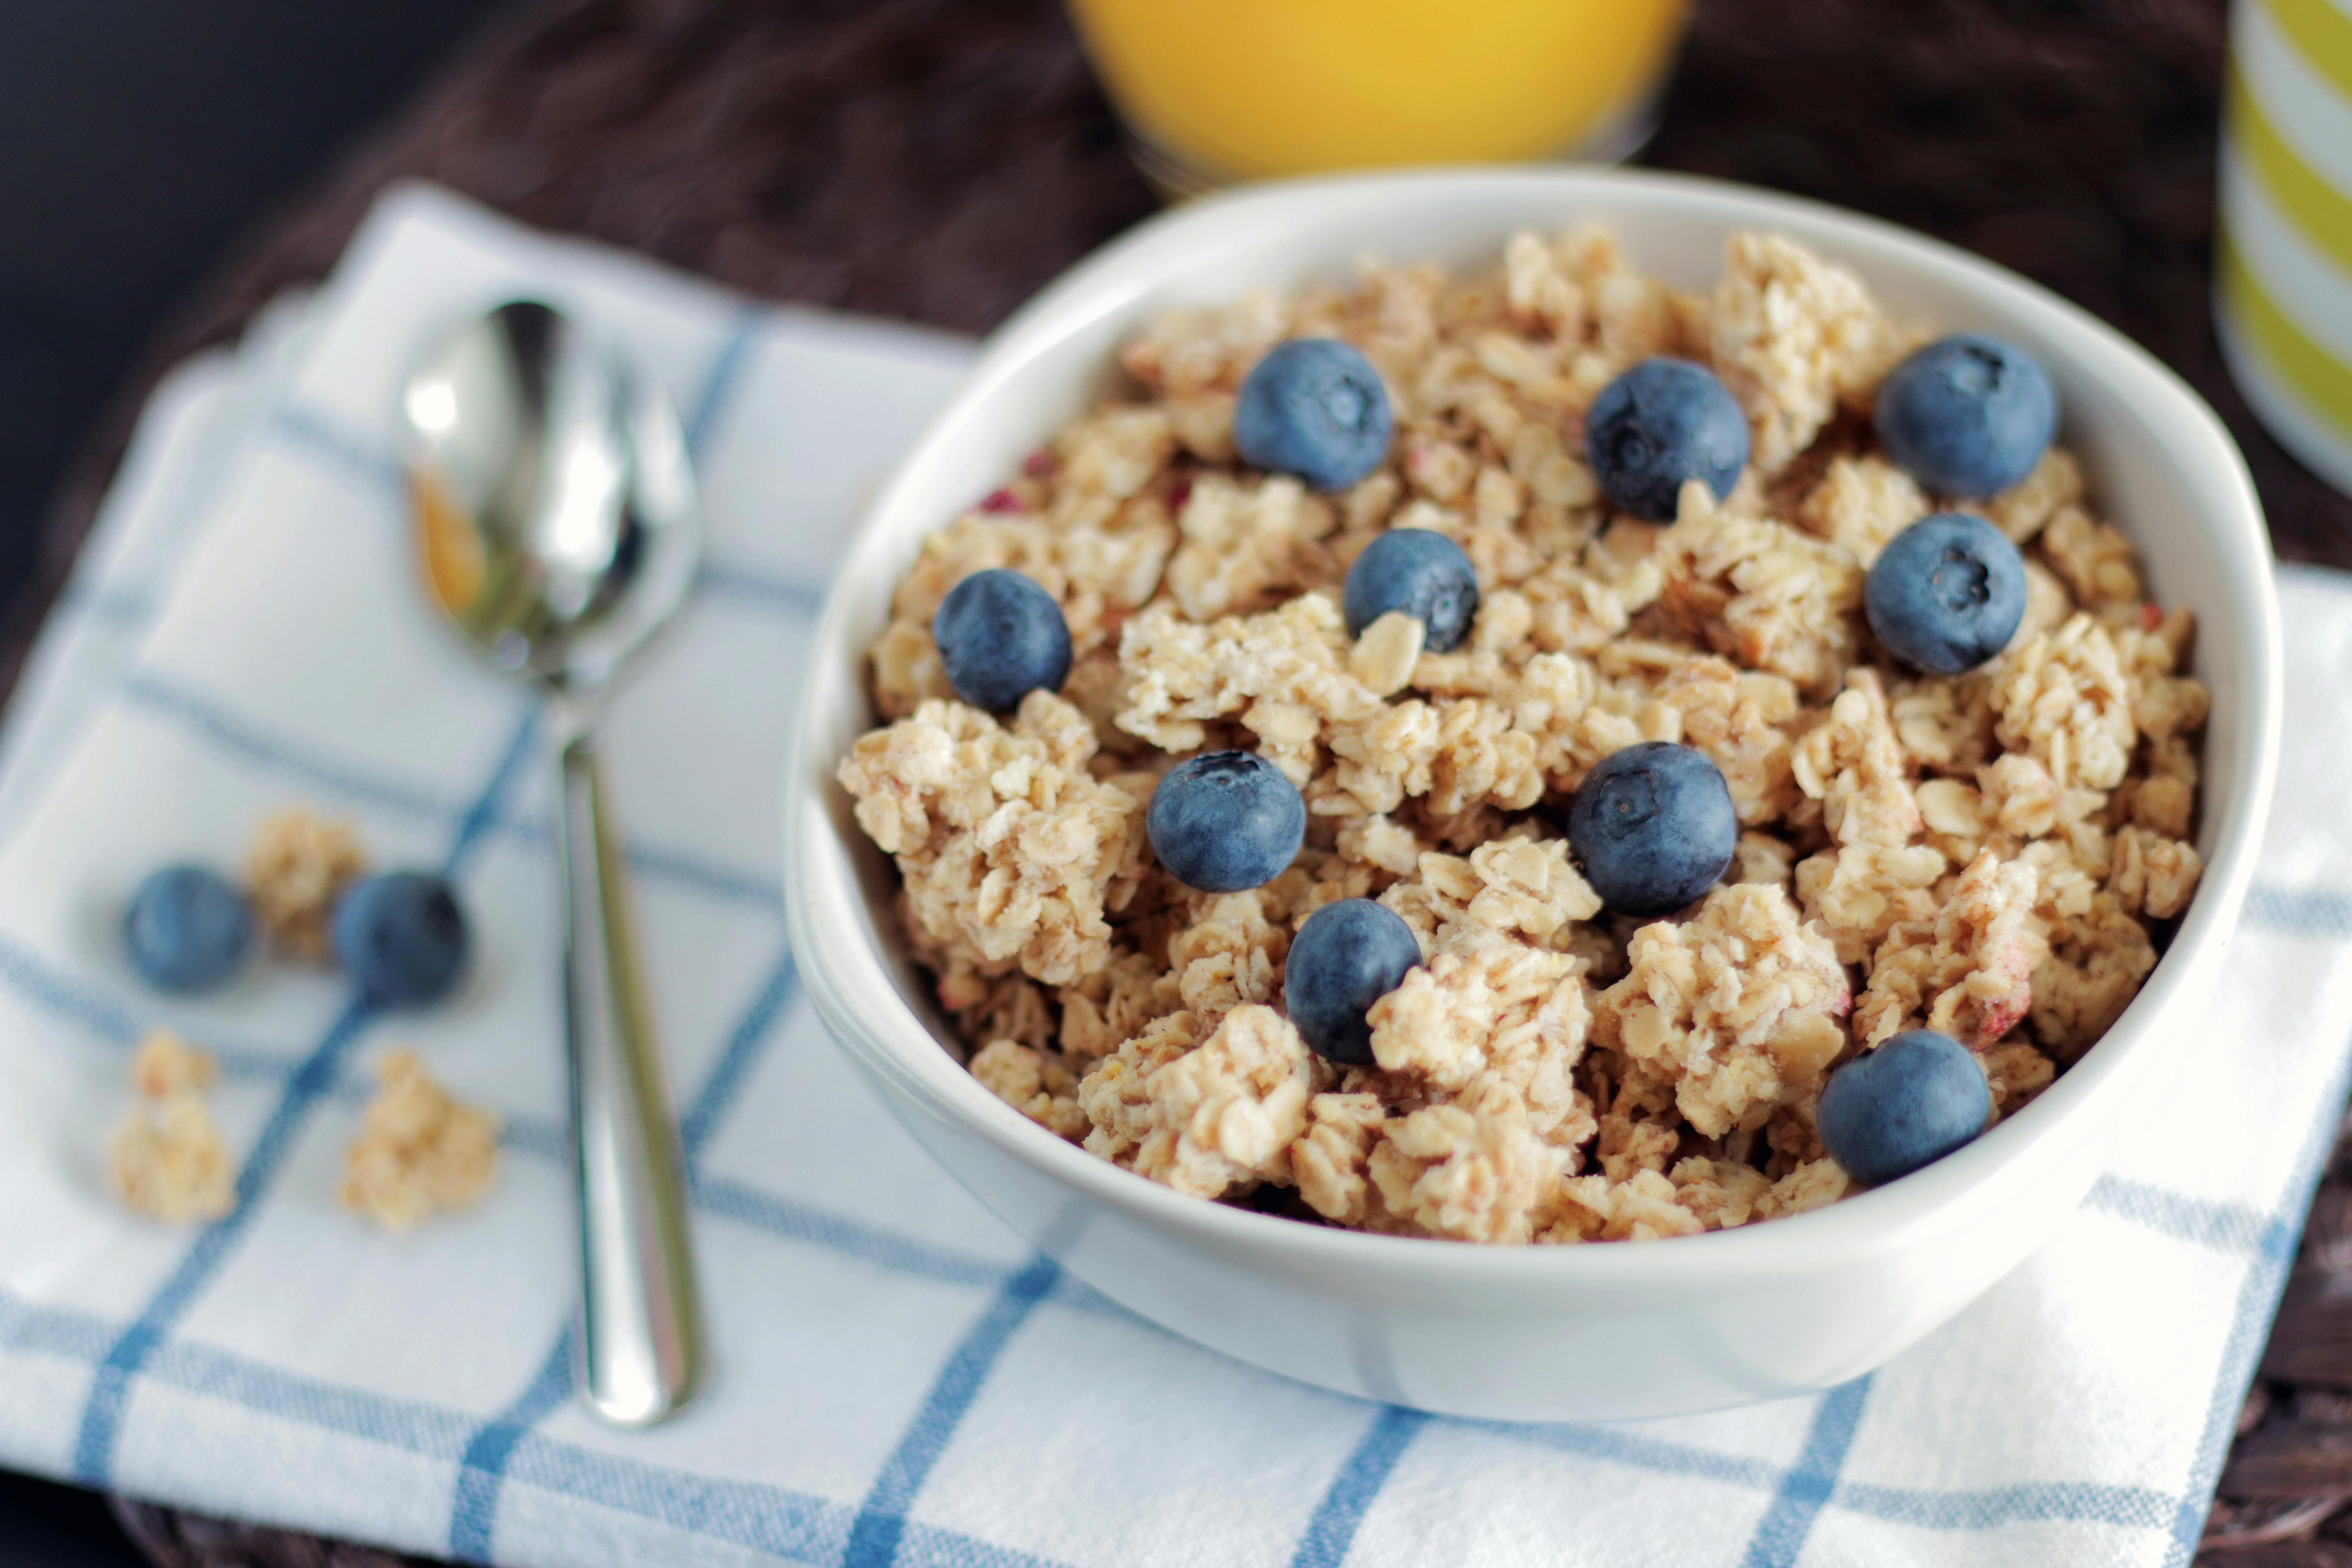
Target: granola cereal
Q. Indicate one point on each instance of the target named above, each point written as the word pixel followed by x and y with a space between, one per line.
pixel 299 866
pixel 419 1150
pixel 1995 855
pixel 168 1160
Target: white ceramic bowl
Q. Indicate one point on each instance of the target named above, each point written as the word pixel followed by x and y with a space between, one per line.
pixel 1539 1333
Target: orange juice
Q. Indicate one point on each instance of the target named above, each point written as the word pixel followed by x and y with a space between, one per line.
pixel 1243 89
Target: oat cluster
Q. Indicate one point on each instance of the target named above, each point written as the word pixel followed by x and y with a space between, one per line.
pixel 301 863
pixel 1990 855
pixel 168 1160
pixel 419 1150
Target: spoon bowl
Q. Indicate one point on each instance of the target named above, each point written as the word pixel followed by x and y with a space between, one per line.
pixel 555 503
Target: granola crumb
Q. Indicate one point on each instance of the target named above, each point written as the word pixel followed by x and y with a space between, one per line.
pixel 168 1160
pixel 167 1064
pixel 301 863
pixel 1035 1084
pixel 419 1150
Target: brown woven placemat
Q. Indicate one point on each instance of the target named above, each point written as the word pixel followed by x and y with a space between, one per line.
pixel 939 160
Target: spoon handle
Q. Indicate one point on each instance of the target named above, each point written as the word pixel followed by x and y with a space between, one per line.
pixel 640 1340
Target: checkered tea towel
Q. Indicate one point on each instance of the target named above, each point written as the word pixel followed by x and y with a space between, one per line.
pixel 901 1380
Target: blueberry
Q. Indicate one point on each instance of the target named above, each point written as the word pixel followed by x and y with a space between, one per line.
pixel 1000 637
pixel 187 929
pixel 1346 957
pixel 1314 407
pixel 1223 821
pixel 402 937
pixel 1661 423
pixel 1422 573
pixel 1907 1104
pixel 1653 826
pixel 1966 415
pixel 1946 594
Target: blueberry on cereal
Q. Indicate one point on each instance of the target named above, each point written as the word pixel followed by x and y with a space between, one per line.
pixel 1907 1104
pixel 1653 827
pixel 1224 821
pixel 1420 572
pixel 187 929
pixel 1347 956
pixel 1001 637
pixel 401 938
pixel 1966 415
pixel 1314 407
pixel 1946 594
pixel 1660 423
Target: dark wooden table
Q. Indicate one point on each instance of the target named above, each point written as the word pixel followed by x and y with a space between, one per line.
pixel 939 160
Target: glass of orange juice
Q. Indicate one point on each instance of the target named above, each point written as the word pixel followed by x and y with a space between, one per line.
pixel 1218 90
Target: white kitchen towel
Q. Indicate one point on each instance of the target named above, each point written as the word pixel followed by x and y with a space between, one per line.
pixel 902 1380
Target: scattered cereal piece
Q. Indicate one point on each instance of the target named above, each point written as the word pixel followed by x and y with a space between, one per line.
pixel 418 1150
pixel 301 863
pixel 168 1158
pixel 166 1064
pixel 170 1162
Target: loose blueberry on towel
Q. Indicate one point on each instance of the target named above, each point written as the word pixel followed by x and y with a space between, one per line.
pixel 1966 415
pixel 1420 572
pixel 401 938
pixel 1001 637
pixel 1907 1104
pixel 1223 821
pixel 1653 827
pixel 1946 594
pixel 1314 407
pixel 1662 423
pixel 1346 957
pixel 187 929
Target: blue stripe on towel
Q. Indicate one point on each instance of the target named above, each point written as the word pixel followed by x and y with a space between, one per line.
pixel 875 1538
pixel 725 1082
pixel 1789 1516
pixel 76 1335
pixel 1621 1445
pixel 101 1418
pixel 2225 1227
pixel 720 381
pixel 251 740
pixel 2300 911
pixel 473 1515
pixel 2257 1302
pixel 776 1520
pixel 481 1478
pixel 1332 1530
pixel 1989 1507
pixel 242 738
pixel 314 431
pixel 749 585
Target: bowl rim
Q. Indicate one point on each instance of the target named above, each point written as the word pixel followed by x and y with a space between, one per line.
pixel 886 1036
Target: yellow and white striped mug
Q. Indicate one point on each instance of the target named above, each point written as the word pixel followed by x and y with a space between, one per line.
pixel 2282 288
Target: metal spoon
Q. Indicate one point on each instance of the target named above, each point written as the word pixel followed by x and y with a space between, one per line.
pixel 556 511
